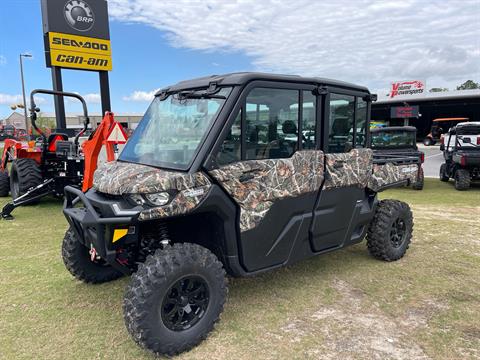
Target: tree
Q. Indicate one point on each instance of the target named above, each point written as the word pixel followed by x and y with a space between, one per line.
pixel 436 89
pixel 468 85
pixel 47 124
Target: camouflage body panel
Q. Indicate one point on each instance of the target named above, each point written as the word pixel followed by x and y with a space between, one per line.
pixel 271 180
pixel 348 169
pixel 389 173
pixel 184 202
pixel 118 178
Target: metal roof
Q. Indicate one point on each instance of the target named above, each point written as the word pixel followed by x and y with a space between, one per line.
pixel 241 78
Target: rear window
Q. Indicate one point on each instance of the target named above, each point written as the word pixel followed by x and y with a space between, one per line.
pixel 392 140
pixel 468 130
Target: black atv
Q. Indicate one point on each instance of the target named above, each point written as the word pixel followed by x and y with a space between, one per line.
pixel 235 174
pixel 461 150
pixel 399 141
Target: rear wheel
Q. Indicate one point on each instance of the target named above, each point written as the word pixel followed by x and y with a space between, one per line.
pixel 443 173
pixel 390 231
pixel 418 184
pixel 4 183
pixel 462 179
pixel 76 258
pixel 24 174
pixel 175 298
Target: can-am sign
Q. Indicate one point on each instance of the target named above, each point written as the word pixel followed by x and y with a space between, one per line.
pixel 407 88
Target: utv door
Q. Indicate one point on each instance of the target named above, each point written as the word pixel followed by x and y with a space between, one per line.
pixel 269 166
pixel 343 208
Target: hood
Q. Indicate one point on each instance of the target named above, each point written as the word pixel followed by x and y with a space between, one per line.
pixel 117 178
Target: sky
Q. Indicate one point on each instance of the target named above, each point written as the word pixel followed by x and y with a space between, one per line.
pixel 156 43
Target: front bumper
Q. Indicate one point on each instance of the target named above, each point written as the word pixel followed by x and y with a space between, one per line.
pixel 94 223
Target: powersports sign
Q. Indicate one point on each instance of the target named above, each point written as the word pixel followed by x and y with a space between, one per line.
pixel 407 88
pixel 76 34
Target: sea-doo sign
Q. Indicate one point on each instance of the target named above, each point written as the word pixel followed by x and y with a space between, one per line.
pixel 76 34
pixel 407 88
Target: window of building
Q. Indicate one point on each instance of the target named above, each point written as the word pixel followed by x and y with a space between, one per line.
pixel 308 120
pixel 342 112
pixel 230 150
pixel 271 123
pixel 361 123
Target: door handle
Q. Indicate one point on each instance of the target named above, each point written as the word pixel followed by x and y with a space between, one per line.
pixel 246 177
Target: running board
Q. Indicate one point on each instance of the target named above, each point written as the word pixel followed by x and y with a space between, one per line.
pixel 31 195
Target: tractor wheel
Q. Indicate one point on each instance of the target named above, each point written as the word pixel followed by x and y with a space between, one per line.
pixel 175 298
pixel 4 183
pixel 443 173
pixel 76 258
pixel 418 184
pixel 462 179
pixel 24 174
pixel 390 231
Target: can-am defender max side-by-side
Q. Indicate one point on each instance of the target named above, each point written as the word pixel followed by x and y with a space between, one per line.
pixel 461 151
pixel 235 174
pixel 399 142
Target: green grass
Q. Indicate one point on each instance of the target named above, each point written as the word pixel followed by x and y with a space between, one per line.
pixel 340 305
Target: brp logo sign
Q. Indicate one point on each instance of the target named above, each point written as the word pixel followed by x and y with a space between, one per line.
pixel 79 15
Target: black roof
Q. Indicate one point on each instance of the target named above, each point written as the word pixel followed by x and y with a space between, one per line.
pixel 241 78
pixel 394 128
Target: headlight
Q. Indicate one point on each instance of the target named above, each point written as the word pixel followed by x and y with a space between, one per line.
pixel 158 199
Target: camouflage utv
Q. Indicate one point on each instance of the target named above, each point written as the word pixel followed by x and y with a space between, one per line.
pixel 398 146
pixel 235 174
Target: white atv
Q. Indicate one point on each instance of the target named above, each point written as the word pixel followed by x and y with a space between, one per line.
pixel 461 150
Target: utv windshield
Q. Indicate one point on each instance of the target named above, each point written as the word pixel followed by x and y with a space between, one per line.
pixel 173 128
pixel 393 140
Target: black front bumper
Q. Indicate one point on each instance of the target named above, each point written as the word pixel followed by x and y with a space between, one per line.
pixel 93 228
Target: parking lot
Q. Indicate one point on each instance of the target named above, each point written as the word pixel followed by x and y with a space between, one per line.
pixel 433 159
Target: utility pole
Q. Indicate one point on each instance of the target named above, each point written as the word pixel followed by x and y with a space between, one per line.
pixel 23 91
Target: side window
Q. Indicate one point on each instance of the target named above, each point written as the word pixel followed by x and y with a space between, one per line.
pixel 342 110
pixel 271 123
pixel 230 150
pixel 308 120
pixel 361 125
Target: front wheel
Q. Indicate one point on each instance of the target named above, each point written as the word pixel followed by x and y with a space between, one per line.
pixel 390 231
pixel 462 179
pixel 24 175
pixel 175 298
pixel 78 262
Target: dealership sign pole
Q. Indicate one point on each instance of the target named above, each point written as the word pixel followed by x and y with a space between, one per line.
pixel 77 36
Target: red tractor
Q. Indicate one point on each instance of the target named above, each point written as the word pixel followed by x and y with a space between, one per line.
pixel 44 167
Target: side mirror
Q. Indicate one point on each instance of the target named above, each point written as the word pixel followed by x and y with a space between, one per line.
pixel 442 147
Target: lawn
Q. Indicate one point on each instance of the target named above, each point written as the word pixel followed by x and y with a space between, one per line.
pixel 340 305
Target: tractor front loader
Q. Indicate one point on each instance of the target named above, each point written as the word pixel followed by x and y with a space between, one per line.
pixel 44 167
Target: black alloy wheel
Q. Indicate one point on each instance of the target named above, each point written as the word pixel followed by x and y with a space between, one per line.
pixel 398 232
pixel 185 303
